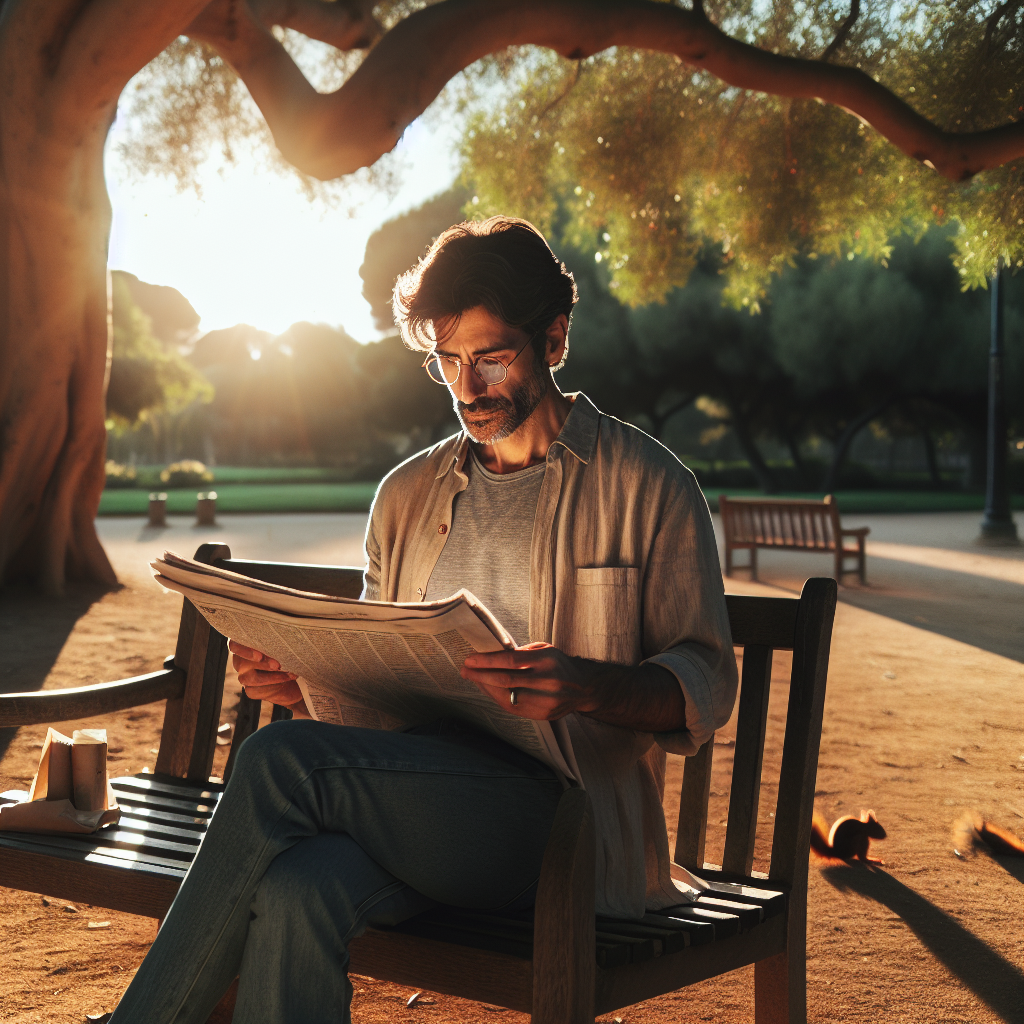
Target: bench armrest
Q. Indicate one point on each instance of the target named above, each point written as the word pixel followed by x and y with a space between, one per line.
pixel 67 705
pixel 860 531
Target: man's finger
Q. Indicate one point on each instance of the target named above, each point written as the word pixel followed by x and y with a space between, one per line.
pixel 250 675
pixel 251 654
pixel 521 660
pixel 279 693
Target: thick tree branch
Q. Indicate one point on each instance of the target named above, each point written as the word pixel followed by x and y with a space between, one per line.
pixel 343 24
pixel 328 136
pixel 844 31
pixel 110 41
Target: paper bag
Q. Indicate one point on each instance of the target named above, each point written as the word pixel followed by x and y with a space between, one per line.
pixel 70 792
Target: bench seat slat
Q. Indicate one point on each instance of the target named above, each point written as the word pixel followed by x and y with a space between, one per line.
pixel 87 844
pixel 726 925
pixel 154 827
pixel 91 854
pixel 162 803
pixel 179 789
pixel 155 814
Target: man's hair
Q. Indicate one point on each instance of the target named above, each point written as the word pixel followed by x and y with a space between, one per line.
pixel 503 264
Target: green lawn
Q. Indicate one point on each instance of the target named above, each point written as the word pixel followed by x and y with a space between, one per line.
pixel 294 497
pixel 287 491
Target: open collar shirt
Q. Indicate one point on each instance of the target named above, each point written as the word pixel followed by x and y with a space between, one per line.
pixel 623 568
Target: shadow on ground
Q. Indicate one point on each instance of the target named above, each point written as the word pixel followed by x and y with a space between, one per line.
pixel 975 610
pixel 33 631
pixel 995 981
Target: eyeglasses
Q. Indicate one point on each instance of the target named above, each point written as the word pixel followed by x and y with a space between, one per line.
pixel 446 369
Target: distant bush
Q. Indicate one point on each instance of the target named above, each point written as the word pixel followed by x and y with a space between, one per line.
pixel 189 473
pixel 120 475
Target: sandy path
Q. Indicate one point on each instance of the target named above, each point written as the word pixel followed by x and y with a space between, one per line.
pixel 922 721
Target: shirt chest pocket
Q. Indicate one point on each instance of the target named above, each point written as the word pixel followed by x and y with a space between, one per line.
pixel 607 619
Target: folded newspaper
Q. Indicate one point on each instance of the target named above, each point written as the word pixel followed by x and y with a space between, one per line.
pixel 373 664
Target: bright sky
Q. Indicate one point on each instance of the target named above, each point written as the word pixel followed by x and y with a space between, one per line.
pixel 253 249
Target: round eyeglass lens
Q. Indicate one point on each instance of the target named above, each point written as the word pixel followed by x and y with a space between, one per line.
pixel 490 371
pixel 444 371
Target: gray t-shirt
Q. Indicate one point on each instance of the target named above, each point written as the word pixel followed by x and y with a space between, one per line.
pixel 488 547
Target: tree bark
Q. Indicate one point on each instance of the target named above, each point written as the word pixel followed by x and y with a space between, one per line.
pixel 59 83
pixel 53 361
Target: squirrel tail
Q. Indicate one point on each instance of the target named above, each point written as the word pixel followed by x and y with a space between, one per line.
pixel 1000 840
pixel 821 849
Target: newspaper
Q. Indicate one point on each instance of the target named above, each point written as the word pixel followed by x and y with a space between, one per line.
pixel 371 664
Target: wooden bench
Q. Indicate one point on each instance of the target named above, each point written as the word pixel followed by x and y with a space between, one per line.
pixel 794 525
pixel 558 962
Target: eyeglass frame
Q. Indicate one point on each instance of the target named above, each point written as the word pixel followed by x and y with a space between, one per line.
pixel 472 365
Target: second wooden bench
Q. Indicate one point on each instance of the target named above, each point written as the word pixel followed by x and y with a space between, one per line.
pixel 792 524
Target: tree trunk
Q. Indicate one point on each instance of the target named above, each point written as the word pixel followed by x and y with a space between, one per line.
pixel 842 447
pixel 762 471
pixel 54 348
pixel 933 463
pixel 793 444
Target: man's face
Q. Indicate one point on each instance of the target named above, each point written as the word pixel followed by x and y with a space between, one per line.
pixel 492 413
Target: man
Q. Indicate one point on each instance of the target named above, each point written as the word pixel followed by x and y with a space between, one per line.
pixel 594 547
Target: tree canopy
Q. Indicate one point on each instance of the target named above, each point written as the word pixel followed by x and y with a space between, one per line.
pixel 646 160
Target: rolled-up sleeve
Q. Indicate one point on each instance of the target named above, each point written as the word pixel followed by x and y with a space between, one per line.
pixel 686 623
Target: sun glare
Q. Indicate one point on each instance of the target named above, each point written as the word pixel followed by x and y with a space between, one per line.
pixel 253 249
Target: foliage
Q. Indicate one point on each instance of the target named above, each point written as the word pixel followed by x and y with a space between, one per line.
pixel 146 376
pixel 396 245
pixel 119 475
pixel 310 396
pixel 187 473
pixel 838 345
pixel 188 107
pixel 632 155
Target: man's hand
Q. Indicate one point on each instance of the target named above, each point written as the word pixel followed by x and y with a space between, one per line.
pixel 262 679
pixel 550 684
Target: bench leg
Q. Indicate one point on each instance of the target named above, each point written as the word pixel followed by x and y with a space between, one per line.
pixel 839 564
pixel 753 563
pixel 780 989
pixel 861 560
pixel 728 560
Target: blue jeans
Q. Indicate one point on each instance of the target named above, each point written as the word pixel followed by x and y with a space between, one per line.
pixel 324 830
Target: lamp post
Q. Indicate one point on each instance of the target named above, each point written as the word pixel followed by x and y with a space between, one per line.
pixel 997 528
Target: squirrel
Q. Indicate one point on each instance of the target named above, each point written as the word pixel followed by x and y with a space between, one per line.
pixel 848 839
pixel 972 831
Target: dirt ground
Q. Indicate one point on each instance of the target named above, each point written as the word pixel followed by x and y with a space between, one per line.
pixel 922 723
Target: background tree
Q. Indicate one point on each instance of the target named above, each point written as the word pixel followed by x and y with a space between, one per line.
pixel 65 63
pixel 148 375
pixel 837 345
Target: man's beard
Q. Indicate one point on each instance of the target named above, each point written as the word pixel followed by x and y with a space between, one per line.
pixel 506 415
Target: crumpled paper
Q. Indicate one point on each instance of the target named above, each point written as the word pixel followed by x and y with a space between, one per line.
pixel 70 793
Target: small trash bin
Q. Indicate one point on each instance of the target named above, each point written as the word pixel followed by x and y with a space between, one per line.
pixel 206 509
pixel 157 509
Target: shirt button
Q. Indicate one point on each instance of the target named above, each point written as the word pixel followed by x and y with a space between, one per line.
pixel 442 529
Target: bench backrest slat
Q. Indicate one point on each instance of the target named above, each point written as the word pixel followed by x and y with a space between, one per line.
pixel 760 626
pixel 747 759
